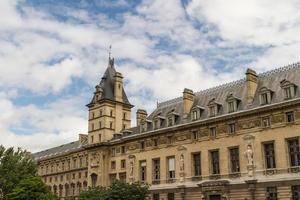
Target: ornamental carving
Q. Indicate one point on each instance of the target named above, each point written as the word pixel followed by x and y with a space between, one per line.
pixel 203 133
pixel 222 129
pixel 181 138
pixel 249 124
pixel 95 159
pixel 277 119
pixel 132 147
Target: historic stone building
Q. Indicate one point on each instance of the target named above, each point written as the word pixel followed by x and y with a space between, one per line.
pixel 236 141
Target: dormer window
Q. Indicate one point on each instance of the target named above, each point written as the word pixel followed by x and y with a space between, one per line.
pixel 172 118
pixel 196 112
pixel 232 103
pixel 143 126
pixel 289 89
pixel 265 96
pixel 158 121
pixel 170 121
pixel 214 107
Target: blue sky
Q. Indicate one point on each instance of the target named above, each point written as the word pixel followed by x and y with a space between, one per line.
pixel 53 53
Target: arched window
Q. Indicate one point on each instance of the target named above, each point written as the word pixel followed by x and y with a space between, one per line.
pixel 94 179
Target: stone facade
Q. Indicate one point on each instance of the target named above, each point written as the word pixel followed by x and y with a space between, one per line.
pixel 235 141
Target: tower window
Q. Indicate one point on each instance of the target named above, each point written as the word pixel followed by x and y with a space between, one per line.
pixel 101 113
pixel 111 113
pixel 124 115
pixel 110 125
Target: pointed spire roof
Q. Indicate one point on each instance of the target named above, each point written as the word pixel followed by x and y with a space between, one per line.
pixel 106 88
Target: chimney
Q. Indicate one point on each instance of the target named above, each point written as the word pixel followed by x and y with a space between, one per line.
pixel 188 100
pixel 82 138
pixel 251 78
pixel 140 115
pixel 118 87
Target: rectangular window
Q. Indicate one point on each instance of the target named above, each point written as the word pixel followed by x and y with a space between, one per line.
pixel 194 115
pixel 231 107
pixel 122 177
pixel 231 128
pixel 195 135
pixel 265 98
pixel 171 167
pixel 123 149
pixel 113 178
pixel 113 152
pixel 294 152
pixel 213 132
pixel 123 164
pixel 271 193
pixel 269 155
pixel 290 117
pixel 197 164
pixel 156 169
pixel 289 93
pixel 234 160
pixel 142 145
pixel 171 196
pixel 113 165
pixel 155 196
pixel 79 175
pixel 156 124
pixel 143 171
pixel 296 192
pixel 212 111
pixel 155 142
pixel 266 121
pixel 215 166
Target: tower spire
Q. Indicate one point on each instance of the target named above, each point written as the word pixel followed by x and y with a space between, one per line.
pixel 110 59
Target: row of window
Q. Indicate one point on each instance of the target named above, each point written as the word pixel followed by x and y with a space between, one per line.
pixel 234 161
pixel 271 194
pixel 214 108
pixel 69 190
pixel 266 122
pixel 67 177
pixel 93 114
pixel 64 165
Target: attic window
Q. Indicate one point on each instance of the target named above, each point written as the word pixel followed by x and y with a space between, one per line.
pixel 196 112
pixel 143 126
pixel 214 107
pixel 265 96
pixel 232 103
pixel 289 89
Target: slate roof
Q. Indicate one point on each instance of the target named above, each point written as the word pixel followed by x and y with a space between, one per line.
pixel 107 85
pixel 271 80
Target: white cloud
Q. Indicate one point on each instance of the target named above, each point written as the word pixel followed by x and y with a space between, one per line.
pixel 259 22
pixel 57 123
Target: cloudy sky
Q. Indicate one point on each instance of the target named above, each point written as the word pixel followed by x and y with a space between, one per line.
pixel 53 53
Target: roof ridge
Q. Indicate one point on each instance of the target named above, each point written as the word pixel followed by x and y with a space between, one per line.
pixel 232 83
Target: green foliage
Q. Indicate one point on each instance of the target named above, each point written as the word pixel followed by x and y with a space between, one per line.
pixel 32 188
pixel 117 191
pixel 14 167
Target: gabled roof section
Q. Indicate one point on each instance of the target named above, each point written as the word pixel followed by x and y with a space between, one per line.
pixel 105 89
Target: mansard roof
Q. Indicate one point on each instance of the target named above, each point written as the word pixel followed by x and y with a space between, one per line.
pixel 106 85
pixel 271 80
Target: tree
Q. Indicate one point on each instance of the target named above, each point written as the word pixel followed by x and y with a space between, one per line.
pixel 117 191
pixel 98 193
pixel 32 188
pixel 14 167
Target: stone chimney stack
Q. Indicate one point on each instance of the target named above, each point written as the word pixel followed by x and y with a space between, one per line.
pixel 188 100
pixel 251 78
pixel 140 115
pixel 118 87
pixel 82 138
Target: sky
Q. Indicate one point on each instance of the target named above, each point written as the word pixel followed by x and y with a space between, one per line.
pixel 53 53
